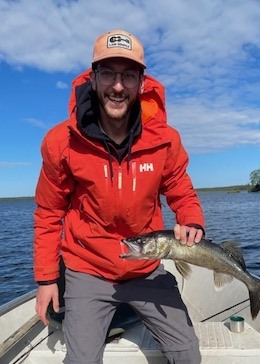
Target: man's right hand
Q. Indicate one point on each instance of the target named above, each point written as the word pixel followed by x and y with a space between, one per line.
pixel 46 294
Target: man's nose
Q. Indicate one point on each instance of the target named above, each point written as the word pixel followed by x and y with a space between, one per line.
pixel 118 83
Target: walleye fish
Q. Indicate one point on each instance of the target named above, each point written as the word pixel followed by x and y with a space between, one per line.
pixel 225 259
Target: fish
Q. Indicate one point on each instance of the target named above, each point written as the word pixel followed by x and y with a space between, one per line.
pixel 224 259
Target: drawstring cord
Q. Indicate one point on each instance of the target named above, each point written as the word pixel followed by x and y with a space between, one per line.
pixel 129 153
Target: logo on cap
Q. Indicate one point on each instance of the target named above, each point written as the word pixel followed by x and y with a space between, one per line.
pixel 119 40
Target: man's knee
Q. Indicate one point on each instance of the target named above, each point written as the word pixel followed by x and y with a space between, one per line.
pixel 189 356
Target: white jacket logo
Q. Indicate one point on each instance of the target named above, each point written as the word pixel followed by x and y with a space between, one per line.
pixel 146 167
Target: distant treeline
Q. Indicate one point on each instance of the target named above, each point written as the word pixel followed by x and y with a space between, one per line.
pixel 225 189
pixel 16 198
pixel 206 189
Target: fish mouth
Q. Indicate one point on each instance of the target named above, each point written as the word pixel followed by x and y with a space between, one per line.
pixel 134 250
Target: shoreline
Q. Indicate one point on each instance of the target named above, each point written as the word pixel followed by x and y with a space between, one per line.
pixel 236 188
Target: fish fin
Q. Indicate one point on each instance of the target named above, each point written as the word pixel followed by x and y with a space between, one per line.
pixel 254 295
pixel 233 248
pixel 183 268
pixel 221 280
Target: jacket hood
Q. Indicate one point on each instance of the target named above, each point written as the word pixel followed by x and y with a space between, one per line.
pixel 152 99
pixel 87 113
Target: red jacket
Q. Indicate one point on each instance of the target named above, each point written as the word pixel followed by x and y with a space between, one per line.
pixel 87 200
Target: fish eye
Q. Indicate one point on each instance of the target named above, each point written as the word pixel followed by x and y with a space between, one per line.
pixel 139 241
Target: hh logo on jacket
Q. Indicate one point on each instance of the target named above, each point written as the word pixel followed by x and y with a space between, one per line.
pixel 146 167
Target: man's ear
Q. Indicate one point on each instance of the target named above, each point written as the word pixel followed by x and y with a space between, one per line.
pixel 141 86
pixel 92 76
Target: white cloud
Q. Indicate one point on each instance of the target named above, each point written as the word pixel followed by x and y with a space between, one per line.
pixel 14 164
pixel 61 85
pixel 207 54
pixel 36 123
pixel 58 35
pixel 211 128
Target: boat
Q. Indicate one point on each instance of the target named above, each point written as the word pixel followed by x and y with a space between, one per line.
pixel 24 339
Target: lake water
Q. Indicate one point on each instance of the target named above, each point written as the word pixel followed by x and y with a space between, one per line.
pixel 229 216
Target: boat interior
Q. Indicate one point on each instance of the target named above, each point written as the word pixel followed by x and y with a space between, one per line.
pixel 24 339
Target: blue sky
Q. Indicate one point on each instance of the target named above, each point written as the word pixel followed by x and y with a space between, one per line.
pixel 206 53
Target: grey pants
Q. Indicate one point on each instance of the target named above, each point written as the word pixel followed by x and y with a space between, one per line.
pixel 91 303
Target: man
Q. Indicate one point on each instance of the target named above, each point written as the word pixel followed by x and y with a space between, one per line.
pixel 102 175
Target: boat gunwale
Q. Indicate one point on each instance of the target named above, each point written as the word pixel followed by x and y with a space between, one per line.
pixel 11 305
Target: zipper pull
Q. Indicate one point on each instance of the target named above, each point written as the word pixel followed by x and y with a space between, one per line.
pixel 105 171
pixel 120 180
pixel 134 174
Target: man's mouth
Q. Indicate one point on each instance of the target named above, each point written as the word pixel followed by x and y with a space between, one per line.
pixel 116 99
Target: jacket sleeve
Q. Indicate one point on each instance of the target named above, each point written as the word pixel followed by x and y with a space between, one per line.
pixel 52 199
pixel 177 186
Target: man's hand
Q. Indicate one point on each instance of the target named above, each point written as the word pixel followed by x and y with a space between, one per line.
pixel 45 295
pixel 187 235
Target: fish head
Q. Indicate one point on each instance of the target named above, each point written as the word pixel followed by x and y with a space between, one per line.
pixel 148 246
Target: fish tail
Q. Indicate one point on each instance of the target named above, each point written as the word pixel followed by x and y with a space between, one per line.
pixel 254 295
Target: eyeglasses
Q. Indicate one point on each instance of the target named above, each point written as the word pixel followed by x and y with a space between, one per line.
pixel 108 77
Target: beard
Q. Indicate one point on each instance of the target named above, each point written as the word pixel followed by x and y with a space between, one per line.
pixel 116 106
pixel 115 114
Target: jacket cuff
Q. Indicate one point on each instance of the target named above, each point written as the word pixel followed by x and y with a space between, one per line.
pixel 47 283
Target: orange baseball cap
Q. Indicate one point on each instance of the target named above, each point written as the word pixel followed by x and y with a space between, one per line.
pixel 118 43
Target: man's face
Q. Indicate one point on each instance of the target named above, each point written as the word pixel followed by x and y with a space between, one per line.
pixel 117 82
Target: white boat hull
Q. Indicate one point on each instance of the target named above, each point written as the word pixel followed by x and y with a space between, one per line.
pixel 209 310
